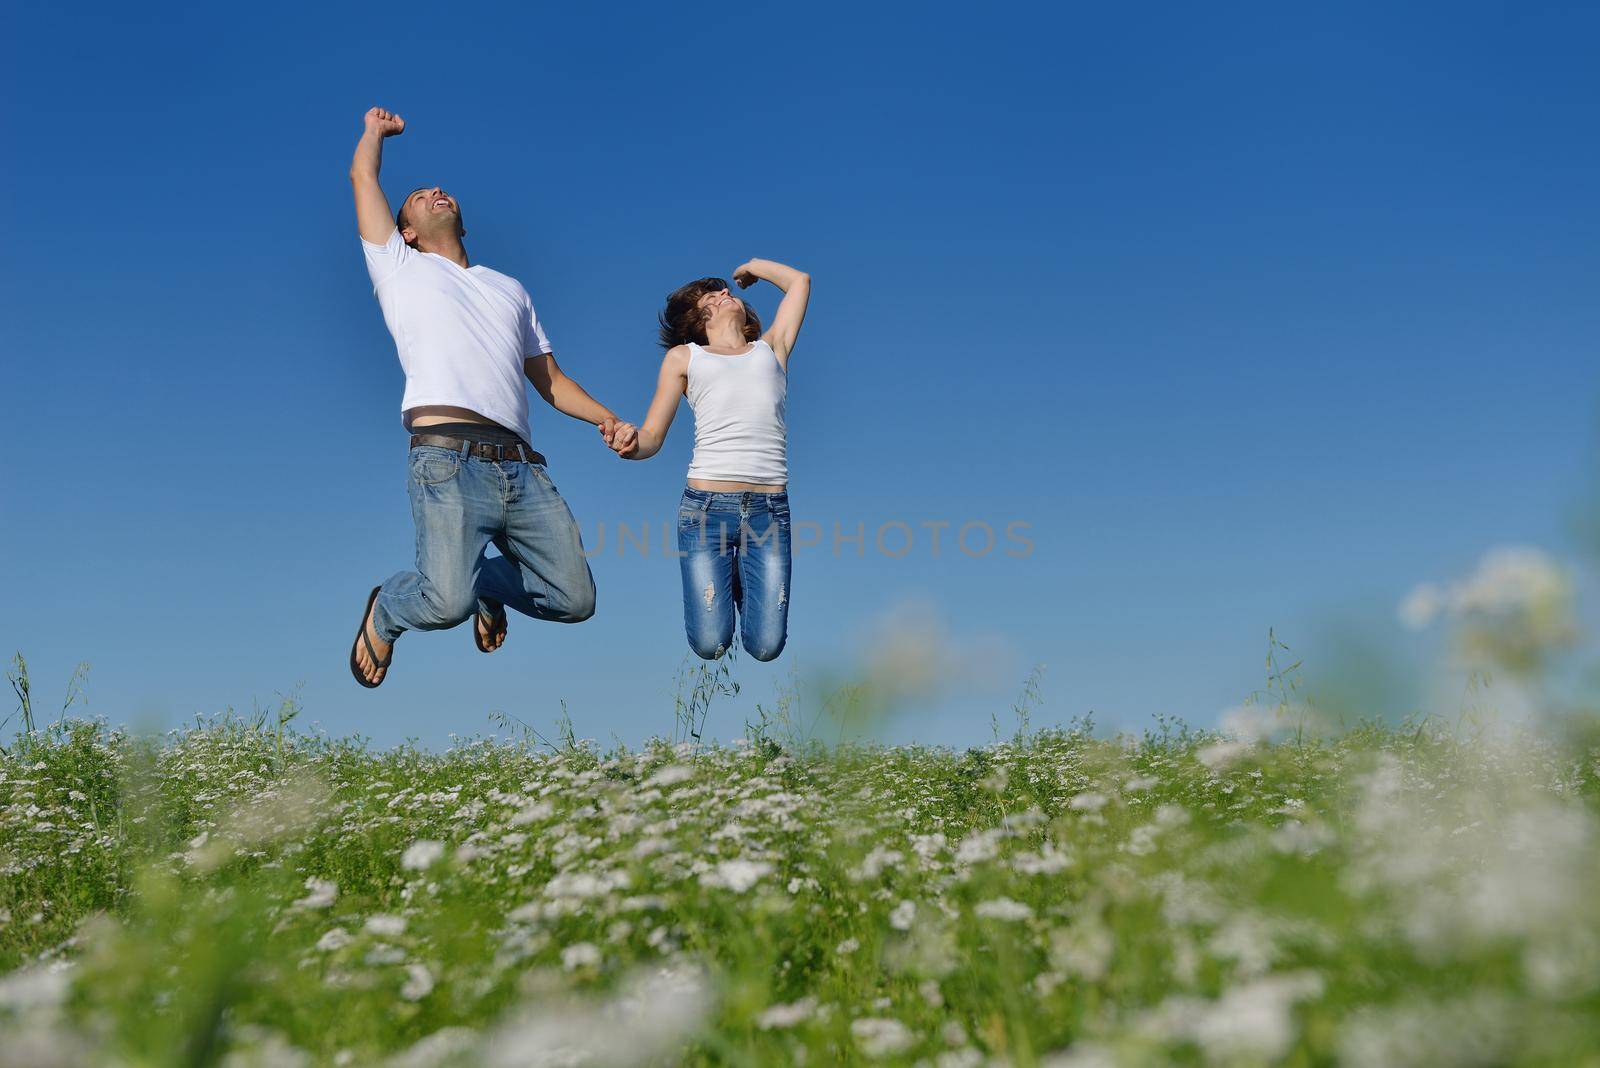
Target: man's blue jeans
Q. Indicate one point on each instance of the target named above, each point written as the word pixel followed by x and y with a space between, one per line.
pixel 735 550
pixel 461 504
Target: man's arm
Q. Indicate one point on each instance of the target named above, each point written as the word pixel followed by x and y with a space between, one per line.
pixel 373 216
pixel 670 384
pixel 796 286
pixel 567 397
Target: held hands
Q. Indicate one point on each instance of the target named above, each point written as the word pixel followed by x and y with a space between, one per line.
pixel 384 123
pixel 621 437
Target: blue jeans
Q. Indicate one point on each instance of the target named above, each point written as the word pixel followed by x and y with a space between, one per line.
pixel 735 550
pixel 462 503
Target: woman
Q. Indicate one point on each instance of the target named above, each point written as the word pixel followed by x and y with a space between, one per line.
pixel 733 522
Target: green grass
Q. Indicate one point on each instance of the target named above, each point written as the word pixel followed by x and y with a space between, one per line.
pixel 1387 897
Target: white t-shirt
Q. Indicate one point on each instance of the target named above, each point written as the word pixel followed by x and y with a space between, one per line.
pixel 462 332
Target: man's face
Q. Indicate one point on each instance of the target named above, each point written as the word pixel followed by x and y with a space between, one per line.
pixel 431 212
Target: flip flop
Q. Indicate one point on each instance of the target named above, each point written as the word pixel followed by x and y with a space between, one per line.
pixel 361 636
pixel 497 621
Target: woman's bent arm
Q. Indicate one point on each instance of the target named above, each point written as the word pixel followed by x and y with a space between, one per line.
pixel 796 286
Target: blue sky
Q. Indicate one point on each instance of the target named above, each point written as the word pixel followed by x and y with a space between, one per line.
pixel 1256 316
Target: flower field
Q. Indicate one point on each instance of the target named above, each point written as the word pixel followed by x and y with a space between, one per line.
pixel 233 895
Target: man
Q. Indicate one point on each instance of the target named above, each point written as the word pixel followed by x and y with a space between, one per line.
pixel 467 336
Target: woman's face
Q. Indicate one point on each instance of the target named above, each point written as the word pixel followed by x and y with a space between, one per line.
pixel 720 306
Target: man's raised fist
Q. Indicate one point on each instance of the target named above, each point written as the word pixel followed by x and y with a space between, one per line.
pixel 385 123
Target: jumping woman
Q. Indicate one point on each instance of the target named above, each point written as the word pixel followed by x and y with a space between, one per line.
pixel 733 521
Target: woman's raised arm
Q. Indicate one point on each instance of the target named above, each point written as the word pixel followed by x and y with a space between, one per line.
pixel 796 286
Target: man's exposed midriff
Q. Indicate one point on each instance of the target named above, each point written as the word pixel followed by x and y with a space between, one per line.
pixel 434 414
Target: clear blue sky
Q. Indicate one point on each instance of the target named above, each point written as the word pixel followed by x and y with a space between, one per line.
pixel 1257 314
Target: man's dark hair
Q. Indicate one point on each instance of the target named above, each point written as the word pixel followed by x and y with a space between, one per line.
pixel 400 216
pixel 683 320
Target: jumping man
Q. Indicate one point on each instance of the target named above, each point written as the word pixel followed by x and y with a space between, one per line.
pixel 467 336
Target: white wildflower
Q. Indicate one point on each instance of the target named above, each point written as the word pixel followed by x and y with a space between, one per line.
pixel 670 775
pixel 323 893
pixel 418 984
pixel 1248 941
pixel 386 926
pixel 1254 1020
pixel 334 938
pixel 422 854
pixel 782 1017
pixel 448 1045
pixel 1171 816
pixel 1300 838
pixel 1081 1055
pixel 1565 966
pixel 1480 1028
pixel 1219 755
pixel 583 885
pixel 1511 578
pixel 1142 842
pixel 1515 607
pixel 1421 606
pixel 1247 723
pixel 36 986
pixel 645 1022
pixel 1045 983
pixel 880 1036
pixel 1083 949
pixel 534 812
pixel 903 916
pixel 580 955
pixel 927 846
pixel 1251 1022
pixel 873 864
pixel 979 847
pixel 1048 861
pixel 384 954
pixel 649 847
pixel 1003 908
pixel 737 875
pixel 1089 801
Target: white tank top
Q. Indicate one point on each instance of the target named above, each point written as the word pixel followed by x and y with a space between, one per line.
pixel 738 404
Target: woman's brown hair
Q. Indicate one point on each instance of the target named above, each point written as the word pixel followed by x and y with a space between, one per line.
pixel 683 320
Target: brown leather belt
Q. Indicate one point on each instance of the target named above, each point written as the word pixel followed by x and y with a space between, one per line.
pixel 483 450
